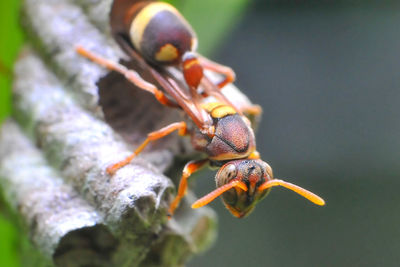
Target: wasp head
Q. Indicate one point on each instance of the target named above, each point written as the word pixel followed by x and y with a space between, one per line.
pixel 252 173
pixel 243 183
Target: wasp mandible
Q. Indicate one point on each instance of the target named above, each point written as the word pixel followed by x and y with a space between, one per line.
pixel 156 36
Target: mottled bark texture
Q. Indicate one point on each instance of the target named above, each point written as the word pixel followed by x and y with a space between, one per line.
pixel 71 120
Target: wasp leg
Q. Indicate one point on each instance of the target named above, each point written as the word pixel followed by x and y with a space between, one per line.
pixel 153 136
pixel 252 110
pixel 221 69
pixel 189 169
pixel 252 113
pixel 130 75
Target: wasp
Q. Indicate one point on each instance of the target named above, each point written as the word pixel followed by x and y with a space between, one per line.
pixel 156 36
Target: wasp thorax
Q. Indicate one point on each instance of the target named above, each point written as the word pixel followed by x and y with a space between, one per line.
pixel 252 173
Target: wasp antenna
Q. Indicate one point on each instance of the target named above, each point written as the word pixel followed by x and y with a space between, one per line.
pixel 299 190
pixel 217 192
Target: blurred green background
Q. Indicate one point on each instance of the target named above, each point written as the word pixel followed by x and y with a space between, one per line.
pixel 10 42
pixel 9 45
pixel 326 74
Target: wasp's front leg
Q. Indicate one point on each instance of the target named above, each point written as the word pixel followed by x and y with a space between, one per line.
pixel 190 168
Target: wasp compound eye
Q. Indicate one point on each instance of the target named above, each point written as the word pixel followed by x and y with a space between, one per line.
pixel 226 174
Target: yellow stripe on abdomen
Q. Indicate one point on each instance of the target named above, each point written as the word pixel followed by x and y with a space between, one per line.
pixel 143 18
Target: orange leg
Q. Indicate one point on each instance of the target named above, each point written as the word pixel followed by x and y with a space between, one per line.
pixel 153 136
pixel 252 113
pixel 189 168
pixel 224 70
pixel 252 110
pixel 130 75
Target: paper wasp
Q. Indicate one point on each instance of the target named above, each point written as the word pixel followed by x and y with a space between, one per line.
pixel 156 36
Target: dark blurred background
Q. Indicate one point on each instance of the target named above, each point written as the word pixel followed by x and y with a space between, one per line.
pixel 327 76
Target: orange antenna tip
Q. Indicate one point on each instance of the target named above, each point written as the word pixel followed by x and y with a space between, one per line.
pixel 299 190
pixel 217 192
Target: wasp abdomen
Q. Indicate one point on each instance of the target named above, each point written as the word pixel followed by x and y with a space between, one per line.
pixel 160 33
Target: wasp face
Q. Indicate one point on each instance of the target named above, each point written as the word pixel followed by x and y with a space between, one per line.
pixel 252 173
pixel 243 183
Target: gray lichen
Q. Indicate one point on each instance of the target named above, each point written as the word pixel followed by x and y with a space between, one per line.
pixel 55 214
